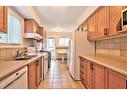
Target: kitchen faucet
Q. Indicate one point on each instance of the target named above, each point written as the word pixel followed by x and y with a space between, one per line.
pixel 20 53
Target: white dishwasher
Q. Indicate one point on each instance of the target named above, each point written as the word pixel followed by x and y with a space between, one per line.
pixel 44 65
pixel 17 80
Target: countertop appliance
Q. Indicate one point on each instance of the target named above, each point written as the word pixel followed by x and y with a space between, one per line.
pixel 78 45
pixel 17 80
pixel 31 51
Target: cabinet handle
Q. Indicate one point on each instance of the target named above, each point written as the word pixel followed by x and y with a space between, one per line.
pixel 17 73
pixel 105 31
pixel 82 72
pixel 91 66
pixel 82 66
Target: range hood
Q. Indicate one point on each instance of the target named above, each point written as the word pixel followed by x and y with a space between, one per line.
pixel 33 36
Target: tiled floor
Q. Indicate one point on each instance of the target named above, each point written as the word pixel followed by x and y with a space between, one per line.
pixel 58 77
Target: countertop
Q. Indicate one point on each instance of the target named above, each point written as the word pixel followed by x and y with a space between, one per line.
pixel 9 67
pixel 116 63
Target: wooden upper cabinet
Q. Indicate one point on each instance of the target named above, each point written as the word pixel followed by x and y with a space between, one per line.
pixel 92 28
pixel 115 80
pixel 98 78
pixel 31 25
pixel 85 26
pixel 40 31
pixel 3 19
pixel 115 19
pixel 102 22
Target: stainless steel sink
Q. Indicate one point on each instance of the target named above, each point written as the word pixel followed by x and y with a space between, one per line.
pixel 24 57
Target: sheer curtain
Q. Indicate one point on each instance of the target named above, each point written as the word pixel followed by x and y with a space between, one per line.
pixel 14 29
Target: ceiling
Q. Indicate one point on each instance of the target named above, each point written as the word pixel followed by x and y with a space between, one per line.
pixel 63 17
pixel 52 18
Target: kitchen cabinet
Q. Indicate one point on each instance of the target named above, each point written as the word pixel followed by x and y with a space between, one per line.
pixel 85 25
pixel 102 22
pixel 31 26
pixel 98 76
pixel 86 73
pixel 115 20
pixel 39 65
pixel 92 28
pixel 32 75
pixel 83 70
pixel 115 80
pixel 89 76
pixel 3 19
pixel 40 31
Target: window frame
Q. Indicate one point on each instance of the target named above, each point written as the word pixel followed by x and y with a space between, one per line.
pixel 64 38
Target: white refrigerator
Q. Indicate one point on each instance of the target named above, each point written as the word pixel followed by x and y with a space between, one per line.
pixel 78 45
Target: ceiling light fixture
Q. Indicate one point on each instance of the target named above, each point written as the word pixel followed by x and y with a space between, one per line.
pixel 58 29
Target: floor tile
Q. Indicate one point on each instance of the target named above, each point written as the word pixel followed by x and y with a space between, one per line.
pixel 66 85
pixel 47 85
pixel 58 77
pixel 41 85
pixel 56 85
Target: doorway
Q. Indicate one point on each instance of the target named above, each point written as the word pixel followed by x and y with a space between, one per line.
pixel 51 47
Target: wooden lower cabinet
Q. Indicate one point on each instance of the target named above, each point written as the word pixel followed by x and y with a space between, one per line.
pixel 39 65
pixel 86 73
pixel 32 75
pixel 98 73
pixel 115 80
pixel 89 76
pixel 99 77
pixel 83 71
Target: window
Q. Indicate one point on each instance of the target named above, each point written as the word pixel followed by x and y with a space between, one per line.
pixel 14 28
pixel 63 41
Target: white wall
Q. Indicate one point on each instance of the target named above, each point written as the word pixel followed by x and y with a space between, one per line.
pixel 58 35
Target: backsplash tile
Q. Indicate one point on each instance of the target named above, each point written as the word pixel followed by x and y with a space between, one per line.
pixel 116 46
pixel 8 53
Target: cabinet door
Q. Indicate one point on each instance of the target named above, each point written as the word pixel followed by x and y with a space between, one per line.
pixel 32 75
pixel 40 31
pixel 39 71
pixel 92 31
pixel 83 71
pixel 115 19
pixel 89 75
pixel 98 76
pixel 101 21
pixel 31 25
pixel 3 19
pixel 115 80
